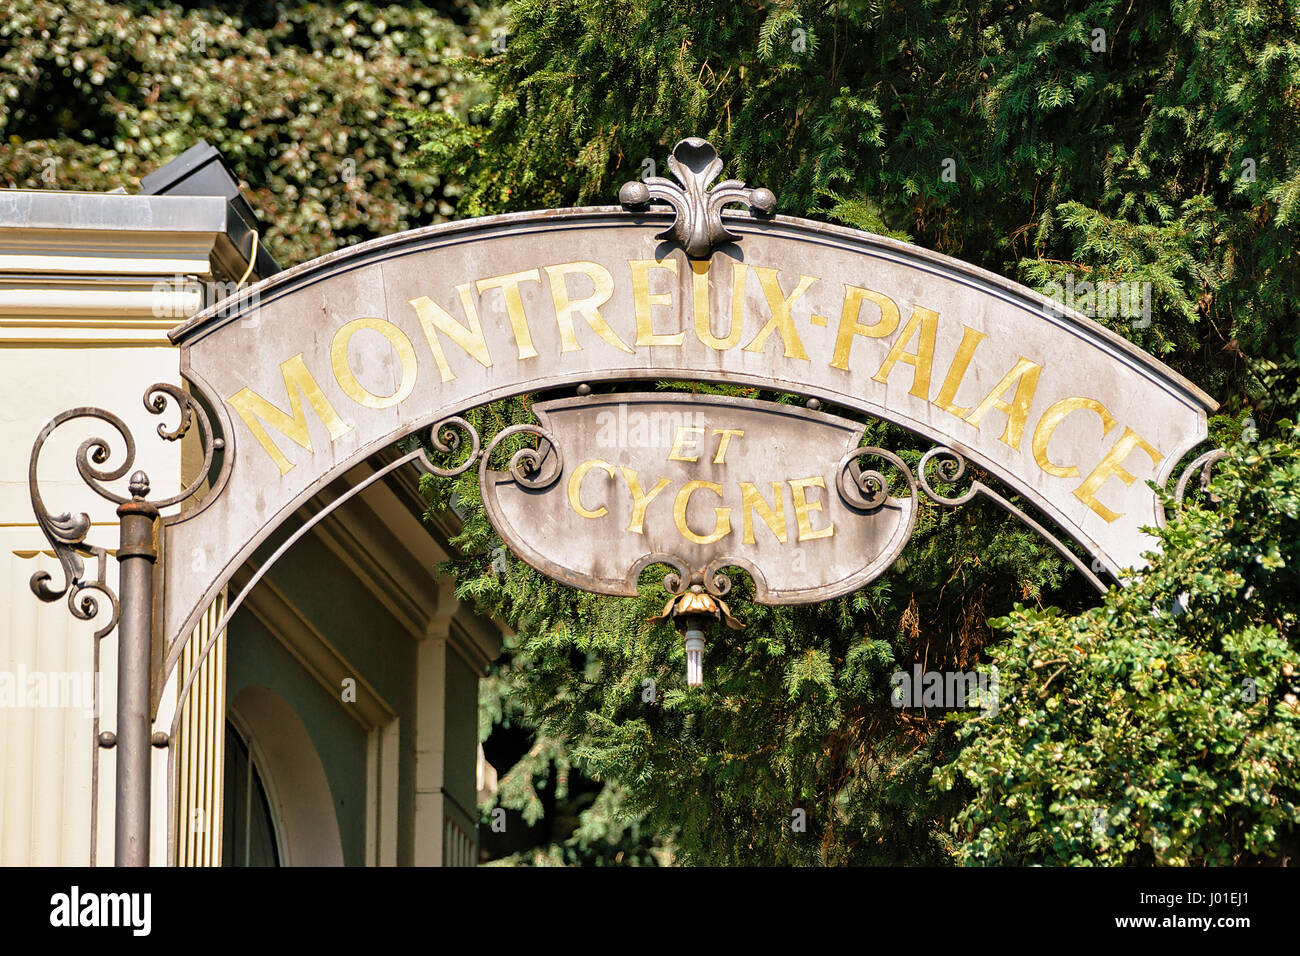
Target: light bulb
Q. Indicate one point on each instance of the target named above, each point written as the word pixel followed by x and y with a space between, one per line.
pixel 694 657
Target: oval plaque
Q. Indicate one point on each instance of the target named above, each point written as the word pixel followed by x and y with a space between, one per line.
pixel 702 482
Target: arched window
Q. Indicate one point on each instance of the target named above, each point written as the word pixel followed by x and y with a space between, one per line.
pixel 248 830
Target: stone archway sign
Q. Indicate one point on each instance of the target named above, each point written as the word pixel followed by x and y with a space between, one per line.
pixel 306 374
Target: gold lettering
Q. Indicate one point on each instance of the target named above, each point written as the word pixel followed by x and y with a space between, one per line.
pixel 703 322
pixel 803 508
pixel 752 501
pixel 575 487
pixel 641 500
pixel 722 519
pixel 727 434
pixel 643 301
pixel 509 286
pixel 1112 466
pixel 923 324
pixel 1052 418
pixel 589 308
pixel 781 321
pixel 678 450
pixel 343 369
pixel 254 409
pixel 1025 377
pixel 434 319
pixel 970 339
pixel 850 326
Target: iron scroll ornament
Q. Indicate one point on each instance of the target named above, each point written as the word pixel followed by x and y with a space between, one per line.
pixel 67 532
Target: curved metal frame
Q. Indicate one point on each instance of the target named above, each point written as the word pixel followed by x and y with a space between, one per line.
pixel 697 225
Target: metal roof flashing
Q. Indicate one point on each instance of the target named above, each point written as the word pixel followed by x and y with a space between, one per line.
pixel 192 199
pixel 109 212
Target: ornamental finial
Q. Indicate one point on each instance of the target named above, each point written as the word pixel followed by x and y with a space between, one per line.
pixel 698 226
pixel 139 486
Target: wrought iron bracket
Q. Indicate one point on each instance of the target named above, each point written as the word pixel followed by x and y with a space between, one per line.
pixel 951 466
pixel 139 655
pixel 67 532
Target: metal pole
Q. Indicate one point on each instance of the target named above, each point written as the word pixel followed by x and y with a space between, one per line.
pixel 135 558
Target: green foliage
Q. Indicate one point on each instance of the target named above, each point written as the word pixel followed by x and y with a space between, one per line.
pixel 95 94
pixel 795 714
pixel 600 832
pixel 1163 726
pixel 1167 155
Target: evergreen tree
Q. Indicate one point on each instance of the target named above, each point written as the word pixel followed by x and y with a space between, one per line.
pixel 1143 142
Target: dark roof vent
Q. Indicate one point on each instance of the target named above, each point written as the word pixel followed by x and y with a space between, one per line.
pixel 201 171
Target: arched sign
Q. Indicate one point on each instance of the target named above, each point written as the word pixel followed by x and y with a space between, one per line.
pixel 313 370
pixel 321 366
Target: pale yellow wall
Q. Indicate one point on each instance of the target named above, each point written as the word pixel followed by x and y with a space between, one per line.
pixel 78 326
pixel 83 317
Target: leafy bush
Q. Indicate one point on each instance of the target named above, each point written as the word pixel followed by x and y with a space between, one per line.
pixel 95 94
pixel 1163 726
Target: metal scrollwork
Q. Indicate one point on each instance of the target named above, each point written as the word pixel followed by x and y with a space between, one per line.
pixel 867 489
pixel 715 581
pixel 695 600
pixel 67 532
pixel 525 467
pixel 445 437
pixel 680 580
pixel 1205 465
pixel 156 400
pixel 675 582
pixel 698 226
pixel 951 467
pixel 530 467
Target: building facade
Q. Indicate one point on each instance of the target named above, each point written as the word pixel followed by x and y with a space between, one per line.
pixel 335 720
